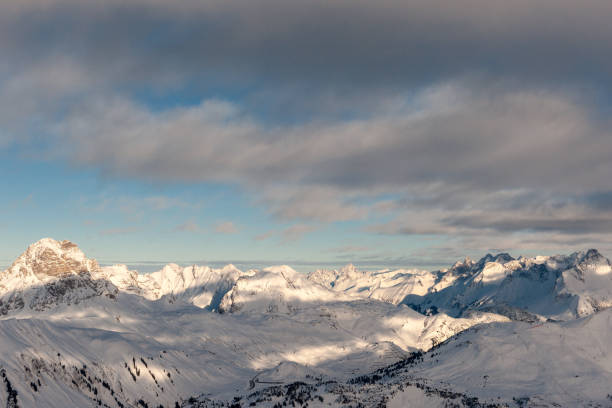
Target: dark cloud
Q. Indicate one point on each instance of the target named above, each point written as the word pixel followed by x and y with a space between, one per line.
pixel 343 44
pixel 594 224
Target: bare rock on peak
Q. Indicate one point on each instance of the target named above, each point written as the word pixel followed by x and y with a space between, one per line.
pixel 49 258
pixel 50 273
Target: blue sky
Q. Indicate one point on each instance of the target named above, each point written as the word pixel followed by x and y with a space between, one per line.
pixel 401 133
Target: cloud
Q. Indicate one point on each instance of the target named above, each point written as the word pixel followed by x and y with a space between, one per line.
pixel 343 44
pixel 495 212
pixel 474 119
pixel 297 231
pixel 227 227
pixel 513 221
pixel 312 203
pixel 352 253
pixel 349 249
pixel 491 139
pixel 572 225
pixel 319 61
pixel 189 226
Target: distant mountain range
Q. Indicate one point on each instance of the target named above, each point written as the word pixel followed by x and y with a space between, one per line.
pixel 498 331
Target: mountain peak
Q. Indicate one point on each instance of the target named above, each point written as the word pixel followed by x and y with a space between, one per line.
pixel 460 267
pixel 51 258
pixel 50 273
pixel 501 258
pixel 348 268
pixel 592 261
pixel 590 255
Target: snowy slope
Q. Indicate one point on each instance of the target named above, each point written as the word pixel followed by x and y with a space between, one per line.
pixel 276 289
pixel 567 363
pixel 513 364
pixel 203 352
pixel 387 286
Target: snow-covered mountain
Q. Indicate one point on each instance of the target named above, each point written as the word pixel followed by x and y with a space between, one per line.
pixel 544 287
pixel 49 273
pixel 388 286
pixel 73 333
pixel 276 289
pixel 201 286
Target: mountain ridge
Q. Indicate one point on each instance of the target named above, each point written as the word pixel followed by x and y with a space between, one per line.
pixel 572 285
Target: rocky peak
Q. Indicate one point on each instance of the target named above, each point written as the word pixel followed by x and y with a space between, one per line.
pixel 49 258
pixel 591 262
pixel 460 267
pixel 503 258
pixel 500 258
pixel 50 273
pixel 591 256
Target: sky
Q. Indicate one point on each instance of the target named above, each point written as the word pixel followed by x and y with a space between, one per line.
pixel 389 133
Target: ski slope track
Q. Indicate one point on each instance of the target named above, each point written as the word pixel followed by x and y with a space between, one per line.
pixel 495 332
